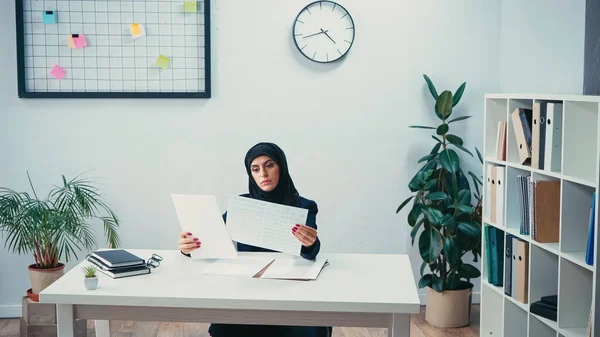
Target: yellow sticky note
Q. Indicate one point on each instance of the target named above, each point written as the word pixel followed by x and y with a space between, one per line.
pixel 190 6
pixel 135 29
pixel 162 61
pixel 70 41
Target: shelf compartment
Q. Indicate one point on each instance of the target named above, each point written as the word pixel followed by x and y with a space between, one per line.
pixel 580 136
pixel 515 320
pixel 574 332
pixel 543 277
pixel 575 297
pixel 575 220
pixel 512 150
pixel 537 328
pixel 496 113
pixel 491 322
pixel 513 200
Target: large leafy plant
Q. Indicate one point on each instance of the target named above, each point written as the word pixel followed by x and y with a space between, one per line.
pixel 444 205
pixel 54 228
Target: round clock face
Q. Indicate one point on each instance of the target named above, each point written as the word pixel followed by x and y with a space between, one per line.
pixel 324 31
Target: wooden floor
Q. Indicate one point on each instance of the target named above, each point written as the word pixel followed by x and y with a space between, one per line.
pixel 419 328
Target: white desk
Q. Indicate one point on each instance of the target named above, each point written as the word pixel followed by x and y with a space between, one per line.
pixel 355 290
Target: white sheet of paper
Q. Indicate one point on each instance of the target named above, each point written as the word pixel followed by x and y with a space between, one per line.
pixel 242 266
pixel 264 224
pixel 294 268
pixel 200 215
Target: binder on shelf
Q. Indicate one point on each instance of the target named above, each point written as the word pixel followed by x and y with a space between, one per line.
pixel 553 143
pixel 521 120
pixel 524 203
pixel 514 266
pixel 546 195
pixel 522 260
pixel 497 251
pixel 508 266
pixel 488 192
pixel 538 135
pixel 488 252
pixel 493 195
pixel 589 252
pixel 501 141
pixel 500 174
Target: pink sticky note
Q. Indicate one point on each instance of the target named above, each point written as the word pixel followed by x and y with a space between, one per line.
pixel 80 41
pixel 58 72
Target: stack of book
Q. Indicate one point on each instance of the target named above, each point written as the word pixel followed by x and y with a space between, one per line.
pixel 547 307
pixel 118 263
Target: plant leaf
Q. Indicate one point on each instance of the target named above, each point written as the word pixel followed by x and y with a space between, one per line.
pixel 430 184
pixel 422 127
pixel 423 265
pixel 452 251
pixel 452 281
pixel 442 129
pixel 464 197
pixel 413 232
pixel 444 105
pixel 427 158
pixel 413 215
pixel 430 244
pixel 475 178
pixel 436 138
pixel 437 283
pixel 449 160
pixel 425 281
pixel 479 155
pixel 436 148
pixel 470 229
pixel 433 215
pixel 468 271
pixel 431 87
pixel 458 119
pixel 404 203
pixel 453 139
pixel 466 209
pixel 436 196
pixel 459 93
pixel 464 149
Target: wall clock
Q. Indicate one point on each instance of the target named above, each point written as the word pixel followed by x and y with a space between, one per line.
pixel 324 31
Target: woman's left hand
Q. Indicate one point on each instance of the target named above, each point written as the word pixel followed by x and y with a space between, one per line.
pixel 305 234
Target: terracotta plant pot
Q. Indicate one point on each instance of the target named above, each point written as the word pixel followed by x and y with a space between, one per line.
pixel 449 309
pixel 42 278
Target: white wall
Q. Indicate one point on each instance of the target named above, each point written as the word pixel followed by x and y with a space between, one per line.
pixel 344 127
pixel 542 46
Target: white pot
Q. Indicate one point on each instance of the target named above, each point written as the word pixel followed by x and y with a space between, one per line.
pixel 91 283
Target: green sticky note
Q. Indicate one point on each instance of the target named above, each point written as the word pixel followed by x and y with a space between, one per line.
pixel 190 6
pixel 162 61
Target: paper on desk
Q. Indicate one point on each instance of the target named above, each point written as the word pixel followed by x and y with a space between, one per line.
pixel 242 266
pixel 295 268
pixel 200 215
pixel 264 224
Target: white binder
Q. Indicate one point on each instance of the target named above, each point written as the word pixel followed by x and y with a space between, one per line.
pixel 488 193
pixel 500 190
pixel 553 149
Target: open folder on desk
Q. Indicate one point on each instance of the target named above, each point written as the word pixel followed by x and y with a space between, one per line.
pixel 284 268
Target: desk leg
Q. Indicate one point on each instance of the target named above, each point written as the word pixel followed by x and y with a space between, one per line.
pixel 65 321
pixel 102 328
pixel 400 326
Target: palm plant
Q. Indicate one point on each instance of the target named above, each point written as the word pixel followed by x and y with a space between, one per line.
pixel 444 204
pixel 53 229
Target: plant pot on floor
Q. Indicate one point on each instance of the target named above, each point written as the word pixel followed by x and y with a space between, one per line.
pixel 450 308
pixel 91 283
pixel 41 278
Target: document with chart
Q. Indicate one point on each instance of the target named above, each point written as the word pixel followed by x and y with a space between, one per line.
pixel 264 224
pixel 200 215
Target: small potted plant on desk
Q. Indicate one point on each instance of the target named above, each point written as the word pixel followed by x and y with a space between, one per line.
pixel 54 228
pixel 90 280
pixel 449 213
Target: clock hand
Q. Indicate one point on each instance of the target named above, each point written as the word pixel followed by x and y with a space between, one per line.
pixel 321 32
pixel 325 32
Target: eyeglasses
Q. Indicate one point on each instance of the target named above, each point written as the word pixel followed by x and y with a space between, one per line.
pixel 154 261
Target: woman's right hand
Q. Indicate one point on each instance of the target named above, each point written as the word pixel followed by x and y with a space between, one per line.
pixel 188 243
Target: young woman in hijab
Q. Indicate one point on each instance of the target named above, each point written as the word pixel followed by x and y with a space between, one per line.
pixel 269 180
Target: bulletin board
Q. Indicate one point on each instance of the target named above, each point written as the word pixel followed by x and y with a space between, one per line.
pixel 113 48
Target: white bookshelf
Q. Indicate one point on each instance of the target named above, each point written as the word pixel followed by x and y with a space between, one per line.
pixel 554 268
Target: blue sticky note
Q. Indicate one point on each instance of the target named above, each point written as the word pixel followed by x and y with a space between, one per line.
pixel 49 17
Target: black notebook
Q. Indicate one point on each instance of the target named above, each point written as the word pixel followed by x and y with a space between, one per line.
pixel 115 258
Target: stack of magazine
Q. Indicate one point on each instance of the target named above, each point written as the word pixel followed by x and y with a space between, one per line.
pixel 118 263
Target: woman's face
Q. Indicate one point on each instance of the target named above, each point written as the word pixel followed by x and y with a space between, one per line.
pixel 265 172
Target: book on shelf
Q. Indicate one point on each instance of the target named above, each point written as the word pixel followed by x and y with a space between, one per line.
pixel 589 252
pixel 539 202
pixel 546 307
pixel 494 246
pixel 501 141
